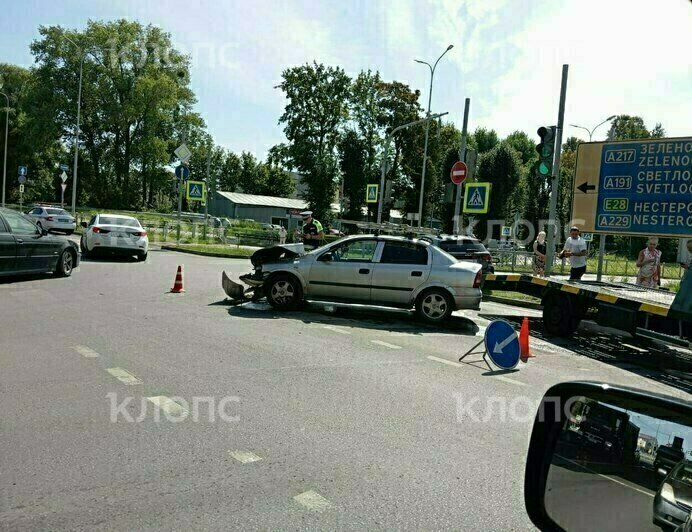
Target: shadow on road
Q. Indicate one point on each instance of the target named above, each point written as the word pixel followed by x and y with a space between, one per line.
pixel 355 316
pixel 105 257
pixel 27 278
pixel 646 358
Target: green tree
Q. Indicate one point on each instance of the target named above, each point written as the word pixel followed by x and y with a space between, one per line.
pixel 314 114
pixel 352 161
pixel 501 166
pixel 525 146
pixel 626 127
pixel 484 139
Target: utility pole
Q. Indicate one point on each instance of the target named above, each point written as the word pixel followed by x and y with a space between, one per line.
pixel 462 157
pixel 552 222
pixel 4 161
pixel 207 180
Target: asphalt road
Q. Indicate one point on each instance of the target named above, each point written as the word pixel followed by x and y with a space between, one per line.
pixel 356 419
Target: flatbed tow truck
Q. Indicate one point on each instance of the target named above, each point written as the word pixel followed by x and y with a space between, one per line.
pixel 654 313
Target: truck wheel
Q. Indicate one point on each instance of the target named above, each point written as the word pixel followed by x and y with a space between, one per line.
pixel 560 316
pixel 283 291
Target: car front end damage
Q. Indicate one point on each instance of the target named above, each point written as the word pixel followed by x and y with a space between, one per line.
pixel 253 282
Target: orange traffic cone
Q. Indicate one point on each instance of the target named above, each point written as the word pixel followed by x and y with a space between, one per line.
pixel 525 354
pixel 178 285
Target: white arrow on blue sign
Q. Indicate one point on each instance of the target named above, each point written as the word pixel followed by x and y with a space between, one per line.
pixel 502 344
pixel 182 172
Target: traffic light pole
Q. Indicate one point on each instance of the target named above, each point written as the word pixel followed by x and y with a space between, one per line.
pixel 552 216
pixel 462 157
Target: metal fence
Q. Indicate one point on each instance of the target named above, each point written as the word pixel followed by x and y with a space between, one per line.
pixel 615 267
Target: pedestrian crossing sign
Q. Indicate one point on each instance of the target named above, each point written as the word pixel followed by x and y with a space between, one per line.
pixel 195 191
pixel 477 198
pixel 371 195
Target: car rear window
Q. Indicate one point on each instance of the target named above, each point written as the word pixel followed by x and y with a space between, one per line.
pixel 460 246
pixel 118 220
pixel 61 212
pixel 404 253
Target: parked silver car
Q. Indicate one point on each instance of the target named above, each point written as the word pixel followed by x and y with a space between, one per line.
pixel 378 270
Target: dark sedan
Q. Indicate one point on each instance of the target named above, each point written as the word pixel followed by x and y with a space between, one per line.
pixel 25 248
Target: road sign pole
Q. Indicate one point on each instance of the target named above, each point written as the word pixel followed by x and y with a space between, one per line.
pixel 601 252
pixel 552 221
pixel 206 180
pixel 462 157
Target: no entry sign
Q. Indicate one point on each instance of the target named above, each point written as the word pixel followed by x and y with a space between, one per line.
pixel 458 173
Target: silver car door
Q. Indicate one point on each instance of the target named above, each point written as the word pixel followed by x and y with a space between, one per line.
pixel 345 274
pixel 403 267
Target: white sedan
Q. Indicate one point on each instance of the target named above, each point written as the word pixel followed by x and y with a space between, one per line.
pixel 53 219
pixel 114 233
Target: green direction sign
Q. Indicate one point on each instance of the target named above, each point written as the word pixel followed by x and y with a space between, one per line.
pixel 477 198
pixel 371 194
pixel 195 191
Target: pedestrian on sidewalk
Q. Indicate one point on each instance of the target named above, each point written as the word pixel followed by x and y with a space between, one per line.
pixel 282 235
pixel 539 251
pixel 649 264
pixel 575 250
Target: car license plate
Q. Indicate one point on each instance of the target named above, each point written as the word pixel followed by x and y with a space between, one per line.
pixel 64 220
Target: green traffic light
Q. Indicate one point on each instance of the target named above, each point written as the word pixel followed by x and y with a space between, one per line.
pixel 543 169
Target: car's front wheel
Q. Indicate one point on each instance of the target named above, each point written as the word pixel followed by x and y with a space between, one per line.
pixel 283 291
pixel 434 305
pixel 66 263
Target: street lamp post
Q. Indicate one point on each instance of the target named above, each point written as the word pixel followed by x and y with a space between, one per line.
pixel 591 131
pixel 4 161
pixel 427 130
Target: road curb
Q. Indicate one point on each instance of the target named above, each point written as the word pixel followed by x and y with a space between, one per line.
pixel 513 302
pixel 204 253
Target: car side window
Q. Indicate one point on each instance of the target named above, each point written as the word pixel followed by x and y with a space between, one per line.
pixel 20 225
pixel 404 253
pixel 356 251
pixel 35 211
pixel 92 221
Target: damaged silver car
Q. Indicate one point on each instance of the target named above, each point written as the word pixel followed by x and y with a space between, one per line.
pixel 387 271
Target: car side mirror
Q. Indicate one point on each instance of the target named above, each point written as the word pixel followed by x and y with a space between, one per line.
pixel 326 257
pixel 83 224
pixel 608 458
pixel 44 232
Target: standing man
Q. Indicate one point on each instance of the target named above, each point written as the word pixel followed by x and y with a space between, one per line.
pixel 575 249
pixel 313 234
pixel 282 235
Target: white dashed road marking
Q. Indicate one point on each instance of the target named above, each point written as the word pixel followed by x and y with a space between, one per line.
pixel 336 329
pixel 448 362
pixel 168 405
pixel 386 344
pixel 313 501
pixel 459 365
pixel 244 457
pixel 85 351
pixel 123 376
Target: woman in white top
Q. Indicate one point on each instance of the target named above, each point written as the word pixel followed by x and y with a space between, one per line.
pixel 649 264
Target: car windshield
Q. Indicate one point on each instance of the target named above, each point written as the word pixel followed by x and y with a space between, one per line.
pixel 118 220
pixel 61 212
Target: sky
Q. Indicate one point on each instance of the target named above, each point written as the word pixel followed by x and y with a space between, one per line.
pixel 624 56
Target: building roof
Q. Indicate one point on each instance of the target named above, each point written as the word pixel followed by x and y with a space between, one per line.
pixel 264 201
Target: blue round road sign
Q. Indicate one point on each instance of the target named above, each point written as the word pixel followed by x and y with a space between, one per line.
pixel 182 172
pixel 502 344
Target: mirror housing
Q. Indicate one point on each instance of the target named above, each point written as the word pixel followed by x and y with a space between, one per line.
pixel 44 232
pixel 567 458
pixel 326 257
pixel 83 224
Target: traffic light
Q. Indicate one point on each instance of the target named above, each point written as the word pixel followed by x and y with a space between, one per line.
pixel 546 150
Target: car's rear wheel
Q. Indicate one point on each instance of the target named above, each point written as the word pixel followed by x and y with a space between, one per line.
pixel 283 291
pixel 434 305
pixel 66 263
pixel 142 256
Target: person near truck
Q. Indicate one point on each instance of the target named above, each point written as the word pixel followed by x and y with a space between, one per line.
pixel 575 250
pixel 282 235
pixel 686 259
pixel 649 264
pixel 539 251
pixel 313 234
